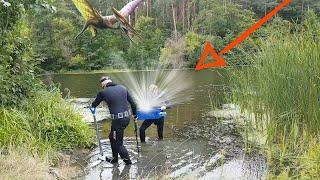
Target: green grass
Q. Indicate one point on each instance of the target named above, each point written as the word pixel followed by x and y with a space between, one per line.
pixel 45 123
pixel 282 91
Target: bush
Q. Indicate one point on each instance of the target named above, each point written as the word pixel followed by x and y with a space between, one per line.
pixel 17 66
pixel 172 55
pixel 44 122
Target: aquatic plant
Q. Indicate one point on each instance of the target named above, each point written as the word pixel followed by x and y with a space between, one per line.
pixel 282 92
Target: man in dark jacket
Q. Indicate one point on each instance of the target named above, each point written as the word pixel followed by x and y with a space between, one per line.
pixel 117 98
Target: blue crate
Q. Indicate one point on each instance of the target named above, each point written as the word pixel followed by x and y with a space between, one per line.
pixel 155 113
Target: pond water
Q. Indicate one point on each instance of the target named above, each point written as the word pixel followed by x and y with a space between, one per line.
pixel 190 147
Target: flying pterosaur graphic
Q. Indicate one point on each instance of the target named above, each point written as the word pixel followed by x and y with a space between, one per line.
pixel 94 20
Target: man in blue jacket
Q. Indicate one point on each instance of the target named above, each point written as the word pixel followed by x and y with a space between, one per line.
pixel 117 98
pixel 163 104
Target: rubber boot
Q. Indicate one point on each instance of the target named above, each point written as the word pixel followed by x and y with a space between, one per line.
pixel 127 161
pixel 111 160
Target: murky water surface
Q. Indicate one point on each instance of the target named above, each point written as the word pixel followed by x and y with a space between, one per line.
pixel 196 145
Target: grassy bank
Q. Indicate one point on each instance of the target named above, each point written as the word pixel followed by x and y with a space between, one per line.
pixel 45 122
pixel 15 165
pixel 34 132
pixel 282 93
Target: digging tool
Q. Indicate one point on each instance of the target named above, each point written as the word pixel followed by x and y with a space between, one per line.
pixel 93 111
pixel 136 132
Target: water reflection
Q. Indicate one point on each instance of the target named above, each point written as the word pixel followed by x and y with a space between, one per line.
pixel 173 159
pixel 156 158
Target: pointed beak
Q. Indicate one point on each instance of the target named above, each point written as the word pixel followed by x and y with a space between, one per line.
pixel 124 21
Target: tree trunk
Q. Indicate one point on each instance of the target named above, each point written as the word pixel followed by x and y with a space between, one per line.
pixel 188 15
pixel 174 19
pixel 147 8
pixel 197 7
pixel 302 7
pixel 183 14
pixel 150 8
pixel 194 11
pixel 133 18
pixel 265 8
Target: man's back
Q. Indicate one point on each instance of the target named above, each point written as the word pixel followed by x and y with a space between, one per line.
pixel 116 97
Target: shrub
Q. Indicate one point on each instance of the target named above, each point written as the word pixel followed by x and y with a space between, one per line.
pixel 45 122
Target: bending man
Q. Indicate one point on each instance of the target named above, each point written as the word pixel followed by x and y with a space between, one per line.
pixel 160 102
pixel 117 98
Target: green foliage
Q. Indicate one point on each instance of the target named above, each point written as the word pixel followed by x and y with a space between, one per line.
pixel 192 40
pixel 217 20
pixel 17 67
pixel 293 12
pixel 29 115
pixel 54 36
pixel 11 12
pixel 54 120
pixel 44 122
pixel 282 91
pixel 172 55
pixel 221 24
pixel 194 48
pixel 53 27
pixel 77 61
pixel 146 52
pixel 311 163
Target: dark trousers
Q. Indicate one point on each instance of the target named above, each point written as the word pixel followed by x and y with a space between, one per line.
pixel 147 123
pixel 116 138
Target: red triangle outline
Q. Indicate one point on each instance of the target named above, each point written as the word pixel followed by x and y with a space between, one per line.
pixel 209 49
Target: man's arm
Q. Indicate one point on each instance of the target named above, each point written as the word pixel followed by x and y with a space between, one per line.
pixel 132 104
pixel 168 104
pixel 98 100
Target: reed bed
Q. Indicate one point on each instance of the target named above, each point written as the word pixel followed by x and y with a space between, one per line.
pixel 282 94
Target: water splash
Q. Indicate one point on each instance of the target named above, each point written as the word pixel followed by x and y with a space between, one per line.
pixel 173 86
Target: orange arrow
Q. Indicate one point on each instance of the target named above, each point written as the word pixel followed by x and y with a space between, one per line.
pixel 242 37
pixel 209 49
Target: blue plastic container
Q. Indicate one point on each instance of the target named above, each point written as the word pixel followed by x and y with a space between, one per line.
pixel 155 113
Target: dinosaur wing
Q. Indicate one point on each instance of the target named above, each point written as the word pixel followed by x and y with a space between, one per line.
pixel 86 9
pixel 88 12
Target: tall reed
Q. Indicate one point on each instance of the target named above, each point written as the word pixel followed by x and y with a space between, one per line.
pixel 282 90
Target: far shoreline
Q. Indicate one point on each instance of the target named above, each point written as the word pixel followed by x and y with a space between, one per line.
pixel 75 72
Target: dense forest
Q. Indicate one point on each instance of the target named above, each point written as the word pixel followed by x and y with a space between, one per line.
pixel 172 32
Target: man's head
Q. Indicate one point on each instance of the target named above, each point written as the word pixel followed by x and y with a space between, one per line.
pixel 153 89
pixel 104 80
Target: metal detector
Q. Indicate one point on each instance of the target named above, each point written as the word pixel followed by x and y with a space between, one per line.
pixel 93 111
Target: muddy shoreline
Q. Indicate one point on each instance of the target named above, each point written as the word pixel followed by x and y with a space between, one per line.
pixel 223 134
